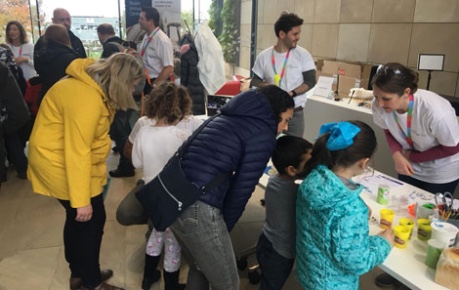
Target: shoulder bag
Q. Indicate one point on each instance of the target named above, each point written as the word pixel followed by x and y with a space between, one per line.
pixel 170 192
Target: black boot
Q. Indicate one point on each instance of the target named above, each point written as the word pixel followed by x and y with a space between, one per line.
pixel 171 281
pixel 150 273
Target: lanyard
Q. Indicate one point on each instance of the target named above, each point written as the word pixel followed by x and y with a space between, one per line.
pixel 20 50
pixel 149 40
pixel 278 78
pixel 407 136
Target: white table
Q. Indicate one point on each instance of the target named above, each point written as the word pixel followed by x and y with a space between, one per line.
pixel 406 265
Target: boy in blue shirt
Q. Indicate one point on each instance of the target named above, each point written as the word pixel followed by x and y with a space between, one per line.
pixel 276 245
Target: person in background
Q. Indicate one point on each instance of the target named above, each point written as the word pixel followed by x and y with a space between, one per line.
pixel 71 166
pixel 54 58
pixel 276 245
pixel 62 17
pixel 14 113
pixel 121 126
pixel 154 145
pixel 235 148
pixel 333 244
pixel 130 211
pixel 156 49
pixel 288 66
pixel 14 139
pixel 16 37
pixel 421 130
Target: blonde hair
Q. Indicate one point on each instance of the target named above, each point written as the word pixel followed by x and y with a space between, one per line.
pixel 116 76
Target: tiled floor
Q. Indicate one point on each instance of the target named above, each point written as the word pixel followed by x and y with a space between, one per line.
pixel 31 250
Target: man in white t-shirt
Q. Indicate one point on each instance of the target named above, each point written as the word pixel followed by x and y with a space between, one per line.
pixel 288 66
pixel 156 49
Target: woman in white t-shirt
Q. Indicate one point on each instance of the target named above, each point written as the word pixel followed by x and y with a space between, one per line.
pixel 421 130
pixel 155 142
pixel 16 37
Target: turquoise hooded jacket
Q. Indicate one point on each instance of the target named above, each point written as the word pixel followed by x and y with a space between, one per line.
pixel 333 244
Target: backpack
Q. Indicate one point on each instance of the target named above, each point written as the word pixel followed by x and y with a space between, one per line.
pixel 128 47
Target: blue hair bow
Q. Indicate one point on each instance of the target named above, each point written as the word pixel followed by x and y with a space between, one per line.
pixel 341 134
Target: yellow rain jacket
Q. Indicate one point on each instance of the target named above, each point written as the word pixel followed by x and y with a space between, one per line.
pixel 69 143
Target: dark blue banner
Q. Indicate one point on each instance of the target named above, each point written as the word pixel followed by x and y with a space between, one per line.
pixel 133 9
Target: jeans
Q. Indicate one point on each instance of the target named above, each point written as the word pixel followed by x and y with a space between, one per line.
pixel 119 132
pixel 296 125
pixel 206 243
pixel 82 242
pixel 430 187
pixel 275 269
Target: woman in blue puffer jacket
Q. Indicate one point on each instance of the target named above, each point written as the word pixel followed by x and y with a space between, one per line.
pixel 238 144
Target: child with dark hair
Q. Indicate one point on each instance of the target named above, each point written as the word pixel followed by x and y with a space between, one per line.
pixel 333 242
pixel 276 245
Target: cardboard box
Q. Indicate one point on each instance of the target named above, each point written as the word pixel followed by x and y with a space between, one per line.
pixel 330 67
pixel 346 83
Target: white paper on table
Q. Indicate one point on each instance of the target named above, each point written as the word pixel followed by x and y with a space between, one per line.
pixel 323 86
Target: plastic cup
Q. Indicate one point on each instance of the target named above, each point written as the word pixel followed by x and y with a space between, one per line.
pixel 424 210
pixel 401 236
pixel 383 194
pixel 444 232
pixel 424 229
pixel 434 249
pixel 408 223
pixel 386 216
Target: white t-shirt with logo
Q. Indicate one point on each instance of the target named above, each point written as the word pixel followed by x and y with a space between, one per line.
pixel 434 123
pixel 299 61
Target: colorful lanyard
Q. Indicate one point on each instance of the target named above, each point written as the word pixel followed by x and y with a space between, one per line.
pixel 149 40
pixel 407 136
pixel 278 77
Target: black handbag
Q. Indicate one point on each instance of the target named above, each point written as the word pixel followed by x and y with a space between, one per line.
pixel 170 192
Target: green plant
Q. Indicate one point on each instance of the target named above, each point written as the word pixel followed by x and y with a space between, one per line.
pixel 215 15
pixel 229 38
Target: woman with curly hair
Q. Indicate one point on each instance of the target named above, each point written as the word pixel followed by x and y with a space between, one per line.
pixel 167 106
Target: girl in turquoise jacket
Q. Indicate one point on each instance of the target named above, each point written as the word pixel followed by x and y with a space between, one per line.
pixel 333 242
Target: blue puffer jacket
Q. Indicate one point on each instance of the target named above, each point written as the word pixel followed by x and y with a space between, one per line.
pixel 238 143
pixel 333 245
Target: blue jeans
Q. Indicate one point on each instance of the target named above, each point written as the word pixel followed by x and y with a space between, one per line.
pixel 206 243
pixel 430 187
pixel 275 269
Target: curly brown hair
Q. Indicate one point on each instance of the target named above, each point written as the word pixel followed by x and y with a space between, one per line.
pixel 169 102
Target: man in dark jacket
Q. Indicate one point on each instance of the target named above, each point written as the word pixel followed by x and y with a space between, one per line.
pixel 238 144
pixel 121 127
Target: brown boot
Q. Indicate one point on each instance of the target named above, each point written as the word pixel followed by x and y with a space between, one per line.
pixel 76 282
pixel 103 286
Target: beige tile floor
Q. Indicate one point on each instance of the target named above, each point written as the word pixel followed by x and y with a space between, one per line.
pixel 31 249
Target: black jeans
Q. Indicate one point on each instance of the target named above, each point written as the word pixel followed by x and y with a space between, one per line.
pixel 430 187
pixel 82 242
pixel 119 132
pixel 275 269
pixel 15 150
